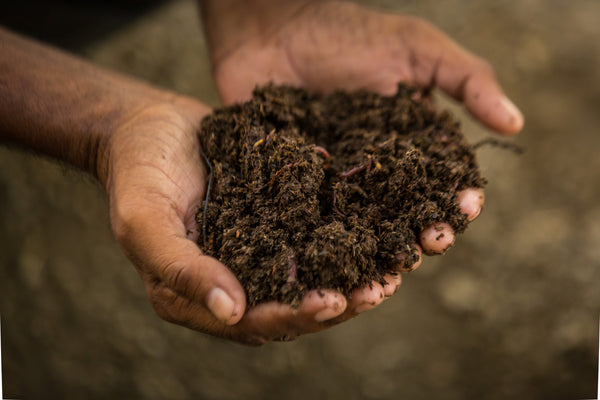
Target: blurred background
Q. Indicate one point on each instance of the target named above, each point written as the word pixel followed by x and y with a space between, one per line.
pixel 510 312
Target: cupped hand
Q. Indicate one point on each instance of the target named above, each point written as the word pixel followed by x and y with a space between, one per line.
pixel 324 46
pixel 330 45
pixel 156 181
pixel 156 177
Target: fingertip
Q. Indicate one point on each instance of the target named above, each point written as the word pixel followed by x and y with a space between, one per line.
pixel 402 257
pixel 486 101
pixel 324 304
pixel 221 305
pixel 512 118
pixel 393 282
pixel 471 202
pixel 437 238
pixel 225 297
pixel 368 297
pixel 239 309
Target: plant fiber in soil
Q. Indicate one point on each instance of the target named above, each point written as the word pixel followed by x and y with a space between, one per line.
pixel 313 191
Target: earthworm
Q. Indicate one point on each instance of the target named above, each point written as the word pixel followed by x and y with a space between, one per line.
pixel 281 171
pixel 353 171
pixel 325 155
pixel 361 167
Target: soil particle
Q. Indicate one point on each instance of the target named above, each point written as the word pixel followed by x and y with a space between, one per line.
pixel 327 191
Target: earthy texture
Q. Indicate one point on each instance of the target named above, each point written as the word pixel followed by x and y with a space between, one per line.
pixel 311 191
pixel 511 312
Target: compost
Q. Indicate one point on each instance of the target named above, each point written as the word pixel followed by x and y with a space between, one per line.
pixel 311 191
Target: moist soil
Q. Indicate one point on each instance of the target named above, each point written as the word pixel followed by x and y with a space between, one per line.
pixel 313 191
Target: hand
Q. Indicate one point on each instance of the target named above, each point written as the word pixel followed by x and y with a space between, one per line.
pixel 141 143
pixel 156 180
pixel 330 45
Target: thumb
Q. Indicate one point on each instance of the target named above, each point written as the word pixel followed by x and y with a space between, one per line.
pixel 439 61
pixel 178 276
pixel 201 279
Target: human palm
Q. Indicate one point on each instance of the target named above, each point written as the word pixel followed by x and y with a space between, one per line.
pixel 156 182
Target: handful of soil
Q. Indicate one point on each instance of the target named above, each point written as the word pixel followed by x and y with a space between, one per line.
pixel 315 191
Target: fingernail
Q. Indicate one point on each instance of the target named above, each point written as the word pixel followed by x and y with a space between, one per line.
pixel 220 304
pixel 470 202
pixel 515 115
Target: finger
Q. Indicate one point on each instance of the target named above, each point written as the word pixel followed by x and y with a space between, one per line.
pixel 366 298
pixel 320 305
pixel 437 238
pixel 200 279
pixel 323 305
pixel 393 282
pixel 363 299
pixel 471 202
pixel 154 239
pixel 406 263
pixel 278 321
pixel 483 97
pixel 439 61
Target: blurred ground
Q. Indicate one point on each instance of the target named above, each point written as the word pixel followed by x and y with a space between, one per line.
pixel 511 312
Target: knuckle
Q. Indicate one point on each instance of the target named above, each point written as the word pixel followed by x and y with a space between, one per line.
pixel 179 278
pixel 161 300
pixel 168 304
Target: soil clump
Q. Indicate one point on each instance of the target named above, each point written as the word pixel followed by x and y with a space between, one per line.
pixel 315 191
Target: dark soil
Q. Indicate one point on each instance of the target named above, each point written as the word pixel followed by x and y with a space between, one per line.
pixel 328 191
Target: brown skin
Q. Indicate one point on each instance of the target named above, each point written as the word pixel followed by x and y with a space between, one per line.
pixel 140 141
pixel 326 45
